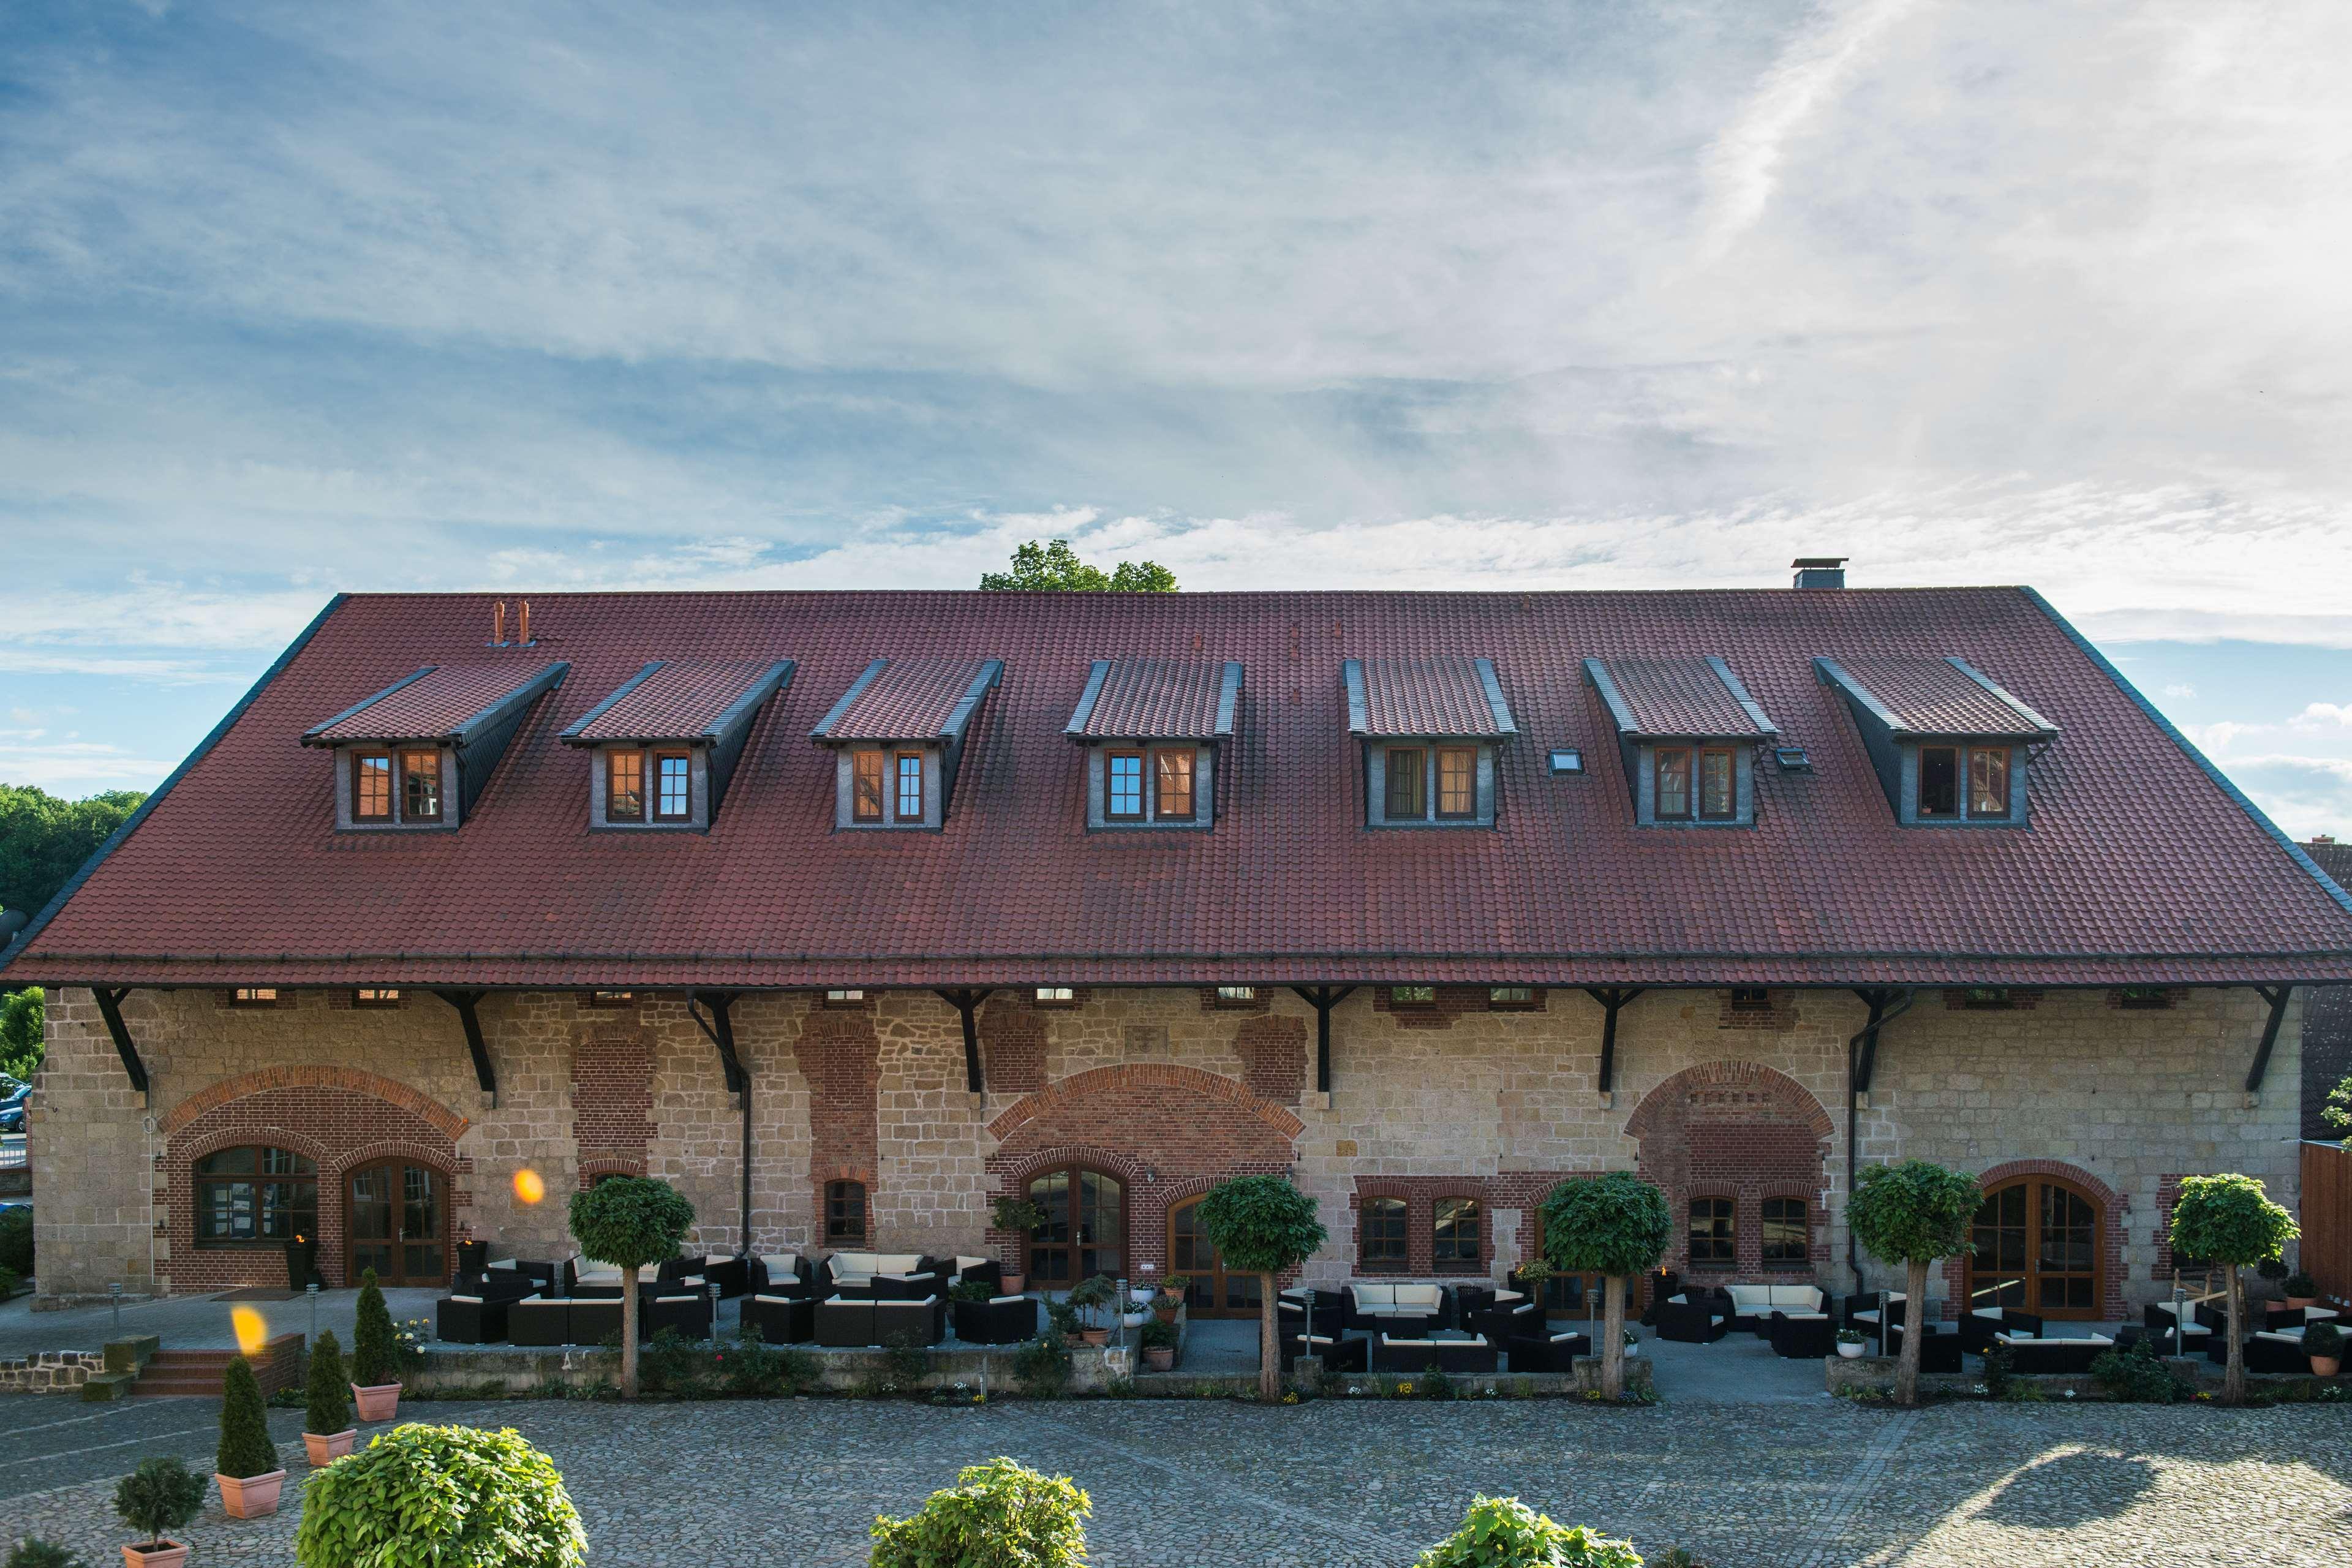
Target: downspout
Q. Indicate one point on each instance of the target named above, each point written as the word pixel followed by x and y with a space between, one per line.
pixel 1861 1061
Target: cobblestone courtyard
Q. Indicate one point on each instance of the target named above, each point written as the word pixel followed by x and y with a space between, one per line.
pixel 1177 1484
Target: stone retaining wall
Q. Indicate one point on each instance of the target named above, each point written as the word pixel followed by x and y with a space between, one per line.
pixel 456 1374
pixel 50 1372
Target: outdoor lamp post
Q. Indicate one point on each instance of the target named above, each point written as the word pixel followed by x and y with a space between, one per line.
pixel 114 1294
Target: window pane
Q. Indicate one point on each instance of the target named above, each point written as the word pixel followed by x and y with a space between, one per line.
pixel 1411 995
pixel 1715 787
pixel 673 784
pixel 1455 1233
pixel 1126 785
pixel 866 786
pixel 420 786
pixel 624 787
pixel 371 788
pixel 1509 995
pixel 1988 781
pixel 1385 1238
pixel 910 787
pixel 844 1211
pixel 1057 994
pixel 1712 1244
pixel 227 1163
pixel 1458 782
pixel 1236 992
pixel 1174 770
pixel 1787 1238
pixel 1408 794
pixel 1939 781
pixel 1673 801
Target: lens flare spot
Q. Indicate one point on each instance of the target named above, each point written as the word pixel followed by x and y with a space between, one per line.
pixel 252 1329
pixel 530 1186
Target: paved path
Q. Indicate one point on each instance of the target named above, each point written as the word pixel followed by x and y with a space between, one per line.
pixel 1358 1483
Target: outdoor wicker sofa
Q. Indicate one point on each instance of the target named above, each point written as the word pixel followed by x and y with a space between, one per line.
pixel 1547 1352
pixel 1391 1353
pixel 780 1320
pixel 562 1321
pixel 1691 1322
pixel 1982 1324
pixel 2048 1355
pixel 1000 1321
pixel 1801 1334
pixel 1395 1306
pixel 1338 1355
pixel 1941 1351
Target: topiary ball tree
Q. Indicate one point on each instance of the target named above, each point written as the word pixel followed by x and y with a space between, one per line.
pixel 157 1497
pixel 1266 1226
pixel 1913 1213
pixel 2231 1219
pixel 1504 1533
pixel 1615 1225
pixel 328 1391
pixel 440 1497
pixel 629 1221
pixel 1001 1512
pixel 375 1349
pixel 246 1450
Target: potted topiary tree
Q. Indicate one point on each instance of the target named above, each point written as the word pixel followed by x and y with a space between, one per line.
pixel 1001 1511
pixel 246 1466
pixel 629 1221
pixel 1504 1533
pixel 2302 1290
pixel 2323 1343
pixel 1158 1342
pixel 1021 1216
pixel 375 1355
pixel 1913 1213
pixel 1091 1296
pixel 1171 1298
pixel 159 1497
pixel 1615 1226
pixel 2231 1220
pixel 420 1495
pixel 1266 1226
pixel 327 1429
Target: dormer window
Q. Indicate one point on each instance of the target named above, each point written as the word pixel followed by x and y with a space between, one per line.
pixel 415 756
pixel 908 773
pixel 1687 732
pixel 624 784
pixel 663 747
pixel 371 786
pixel 898 735
pixel 1950 747
pixel 1432 730
pixel 1153 731
pixel 420 786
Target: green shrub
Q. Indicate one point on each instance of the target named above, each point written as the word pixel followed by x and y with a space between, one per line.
pixel 2272 1268
pixel 971 1291
pixel 1433 1383
pixel 34 1552
pixel 2301 1286
pixel 10 1283
pixel 375 1349
pixel 440 1497
pixel 157 1497
pixel 1157 1335
pixel 673 1363
pixel 1043 1366
pixel 1001 1512
pixel 2136 1377
pixel 2000 1365
pixel 1504 1533
pixel 246 1449
pixel 328 1391
pixel 16 1242
pixel 908 1364
pixel 1064 1319
pixel 2323 1339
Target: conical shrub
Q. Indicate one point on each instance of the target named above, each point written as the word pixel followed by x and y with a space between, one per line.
pixel 329 1390
pixel 246 1449
pixel 376 1354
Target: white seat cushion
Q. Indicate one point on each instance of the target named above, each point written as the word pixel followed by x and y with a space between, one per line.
pixel 1801 1317
pixel 1371 1294
pixel 855 1263
pixel 1421 1298
pixel 998 1300
pixel 1504 1298
pixel 1568 1334
pixel 1869 1317
pixel 2288 1336
pixel 1750 1299
pixel 660 1298
pixel 469 1300
pixel 2315 1314
pixel 1993 1312
pixel 1804 1297
pixel 778 1300
pixel 781 1264
pixel 1391 1340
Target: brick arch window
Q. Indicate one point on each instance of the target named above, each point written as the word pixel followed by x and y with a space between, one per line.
pixel 1787 1233
pixel 1714 1233
pixel 1383 1239
pixel 1457 1225
pixel 845 1213
pixel 255 1196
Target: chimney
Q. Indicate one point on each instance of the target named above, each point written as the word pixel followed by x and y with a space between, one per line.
pixel 1820 571
pixel 522 618
pixel 498 624
pixel 2323 839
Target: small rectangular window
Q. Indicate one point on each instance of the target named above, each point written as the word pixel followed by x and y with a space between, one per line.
pixel 844 1212
pixel 1411 995
pixel 370 786
pixel 1750 999
pixel 1408 788
pixel 1788 1236
pixel 1718 785
pixel 610 998
pixel 624 787
pixel 1510 996
pixel 1671 801
pixel 1053 994
pixel 1458 782
pixel 1236 992
pixel 1453 1243
pixel 848 998
pixel 2144 998
pixel 866 773
pixel 909 766
pixel 1123 801
pixel 1939 782
pixel 376 996
pixel 1383 1242
pixel 1989 782
pixel 1172 780
pixel 420 786
pixel 1712 1242
pixel 673 786
pixel 255 996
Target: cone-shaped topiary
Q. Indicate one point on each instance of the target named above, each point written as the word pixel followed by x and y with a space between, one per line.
pixel 375 1355
pixel 329 1389
pixel 246 1449
pixel 439 1497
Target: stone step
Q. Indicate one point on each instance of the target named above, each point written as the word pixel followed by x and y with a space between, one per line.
pixel 105 1385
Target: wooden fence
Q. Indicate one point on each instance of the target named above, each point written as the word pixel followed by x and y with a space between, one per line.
pixel 2327 1217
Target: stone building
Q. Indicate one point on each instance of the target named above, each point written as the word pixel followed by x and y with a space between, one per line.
pixel 849 912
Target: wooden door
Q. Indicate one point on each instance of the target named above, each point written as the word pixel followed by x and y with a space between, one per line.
pixel 1213 1292
pixel 1085 1231
pixel 2037 1248
pixel 396 1221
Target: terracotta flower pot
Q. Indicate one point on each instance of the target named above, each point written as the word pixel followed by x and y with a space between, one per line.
pixel 2326 1365
pixel 1012 1283
pixel 1165 1314
pixel 381 1402
pixel 1160 1358
pixel 325 1450
pixel 252 1495
pixel 167 1554
pixel 1094 1336
pixel 2297 1303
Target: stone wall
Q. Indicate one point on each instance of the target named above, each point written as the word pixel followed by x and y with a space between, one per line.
pixel 50 1372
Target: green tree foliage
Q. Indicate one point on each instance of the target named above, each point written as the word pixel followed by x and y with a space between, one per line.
pixel 21 1046
pixel 16 1242
pixel 1266 1226
pixel 1504 1533
pixel 1913 1213
pixel 440 1497
pixel 35 1553
pixel 328 1391
pixel 1615 1225
pixel 159 1497
pixel 375 1347
pixel 1056 567
pixel 629 1221
pixel 44 840
pixel 1001 1514
pixel 246 1449
pixel 2231 1219
pixel 2336 1113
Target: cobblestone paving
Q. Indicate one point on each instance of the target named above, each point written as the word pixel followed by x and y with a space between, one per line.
pixel 1177 1484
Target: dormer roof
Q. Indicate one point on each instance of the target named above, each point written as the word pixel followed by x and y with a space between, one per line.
pixel 1938 697
pixel 691 701
pixel 1437 698
pixel 1158 699
pixel 449 704
pixel 929 700
pixel 1688 698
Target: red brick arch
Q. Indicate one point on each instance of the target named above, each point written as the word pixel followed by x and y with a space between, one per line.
pixel 450 1124
pixel 2113 1206
pixel 1142 1079
pixel 1742 1132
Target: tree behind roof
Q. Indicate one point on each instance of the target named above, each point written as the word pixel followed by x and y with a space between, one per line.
pixel 1056 567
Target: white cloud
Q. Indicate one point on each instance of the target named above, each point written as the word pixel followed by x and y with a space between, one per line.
pixel 73 767
pixel 2320 713
pixel 2180 688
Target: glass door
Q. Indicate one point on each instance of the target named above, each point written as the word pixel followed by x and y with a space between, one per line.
pixel 395 1223
pixel 2036 1248
pixel 1085 1231
pixel 1214 1293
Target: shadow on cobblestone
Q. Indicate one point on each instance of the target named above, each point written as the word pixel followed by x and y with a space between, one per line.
pixel 2066 1490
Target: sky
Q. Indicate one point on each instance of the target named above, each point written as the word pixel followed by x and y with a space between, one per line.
pixel 296 298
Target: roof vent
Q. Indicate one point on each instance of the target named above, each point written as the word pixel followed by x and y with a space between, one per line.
pixel 1820 571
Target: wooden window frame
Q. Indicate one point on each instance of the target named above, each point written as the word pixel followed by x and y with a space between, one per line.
pixel 836 1192
pixel 1390 810
pixel 1764 1224
pixel 899 812
pixel 1438 756
pixel 1691 1236
pixel 613 757
pixel 408 754
pixel 653 777
pixel 1959 755
pixel 255 1179
pixel 1969 755
pixel 1658 812
pixel 1475 1262
pixel 1729 756
pixel 1161 758
pixel 861 765
pixel 372 996
pixel 1365 1262
pixel 1111 812
pixel 390 787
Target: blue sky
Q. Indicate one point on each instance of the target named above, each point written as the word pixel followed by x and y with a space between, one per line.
pixel 297 298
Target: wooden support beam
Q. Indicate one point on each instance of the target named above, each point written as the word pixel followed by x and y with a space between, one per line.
pixel 720 1029
pixel 110 1007
pixel 1323 998
pixel 1611 998
pixel 1862 1051
pixel 485 1074
pixel 966 1002
pixel 2276 995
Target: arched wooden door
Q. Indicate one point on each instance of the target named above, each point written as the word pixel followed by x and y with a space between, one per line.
pixel 1085 1233
pixel 397 1222
pixel 1213 1292
pixel 2038 1248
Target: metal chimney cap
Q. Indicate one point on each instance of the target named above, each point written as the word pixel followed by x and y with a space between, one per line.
pixel 1822 561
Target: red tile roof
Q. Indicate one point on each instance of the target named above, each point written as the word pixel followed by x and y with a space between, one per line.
pixel 1682 699
pixel 1434 697
pixel 2141 865
pixel 1938 697
pixel 905 700
pixel 678 700
pixel 1158 699
pixel 435 702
